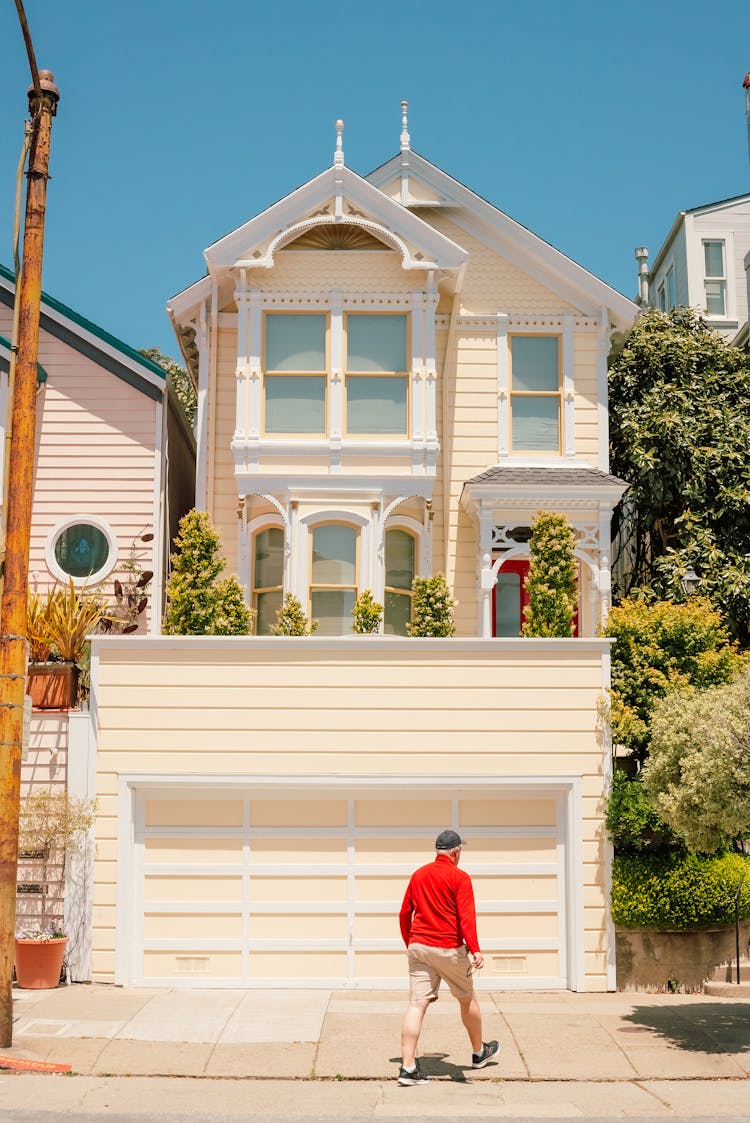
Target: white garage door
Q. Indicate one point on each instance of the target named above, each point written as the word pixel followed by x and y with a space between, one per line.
pixel 289 889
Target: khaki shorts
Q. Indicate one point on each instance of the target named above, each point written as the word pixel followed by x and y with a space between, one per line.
pixel 429 966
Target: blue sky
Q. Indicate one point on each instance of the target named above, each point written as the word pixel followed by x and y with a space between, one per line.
pixel 592 124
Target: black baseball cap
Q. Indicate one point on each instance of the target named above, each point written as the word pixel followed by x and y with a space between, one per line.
pixel 448 840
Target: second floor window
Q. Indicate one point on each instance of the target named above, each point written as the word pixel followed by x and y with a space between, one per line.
pixel 334 566
pixel 377 385
pixel 715 278
pixel 535 393
pixel 295 373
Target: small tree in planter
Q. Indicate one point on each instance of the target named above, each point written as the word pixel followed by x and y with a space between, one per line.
pixel 291 619
pixel 432 608
pixel 57 626
pixel 367 614
pixel 199 603
pixel 51 827
pixel 552 584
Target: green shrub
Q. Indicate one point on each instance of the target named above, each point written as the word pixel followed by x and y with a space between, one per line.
pixel 367 614
pixel 291 619
pixel 432 610
pixel 678 891
pixel 199 601
pixel 552 584
pixel 633 823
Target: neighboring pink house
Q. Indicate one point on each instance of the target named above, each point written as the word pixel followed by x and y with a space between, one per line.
pixel 115 459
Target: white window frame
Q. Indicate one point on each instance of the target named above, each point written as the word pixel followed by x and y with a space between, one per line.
pixel 730 295
pixel 93 578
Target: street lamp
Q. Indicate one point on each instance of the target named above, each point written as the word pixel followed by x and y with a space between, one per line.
pixel 690 581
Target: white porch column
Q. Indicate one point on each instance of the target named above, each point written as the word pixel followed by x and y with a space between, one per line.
pixel 605 572
pixel 488 581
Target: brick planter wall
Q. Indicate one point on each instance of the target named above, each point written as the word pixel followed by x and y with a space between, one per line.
pixel 660 960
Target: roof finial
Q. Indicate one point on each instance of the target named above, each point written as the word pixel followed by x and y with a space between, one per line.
pixel 405 138
pixel 338 157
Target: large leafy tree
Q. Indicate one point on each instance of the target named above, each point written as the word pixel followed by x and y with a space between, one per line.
pixel 680 435
pixel 178 378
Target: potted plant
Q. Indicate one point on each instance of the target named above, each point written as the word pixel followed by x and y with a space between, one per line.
pixel 51 827
pixel 57 625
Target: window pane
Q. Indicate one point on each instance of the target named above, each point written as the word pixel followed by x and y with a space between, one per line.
pixel 536 424
pixel 332 608
pixel 671 290
pixel 295 405
pixel 334 560
pixel 715 303
pixel 376 405
pixel 267 605
pixel 397 614
pixel 376 343
pixel 508 604
pixel 714 256
pixel 534 362
pixel 295 342
pixel 81 550
pixel 269 558
pixel 662 299
pixel 399 559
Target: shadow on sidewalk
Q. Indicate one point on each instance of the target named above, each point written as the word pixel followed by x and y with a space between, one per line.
pixel 435 1064
pixel 707 1027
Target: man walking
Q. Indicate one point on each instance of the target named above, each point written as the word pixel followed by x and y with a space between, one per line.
pixel 439 927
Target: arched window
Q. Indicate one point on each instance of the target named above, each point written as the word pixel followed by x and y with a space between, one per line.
pixel 268 577
pixel 334 567
pixel 400 552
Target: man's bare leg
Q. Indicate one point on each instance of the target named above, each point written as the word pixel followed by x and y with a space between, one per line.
pixel 411 1027
pixel 471 1016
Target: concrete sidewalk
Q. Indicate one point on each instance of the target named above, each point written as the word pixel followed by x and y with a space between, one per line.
pixel 354 1035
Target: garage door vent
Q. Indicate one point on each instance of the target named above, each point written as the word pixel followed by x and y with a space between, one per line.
pixel 192 964
pixel 509 964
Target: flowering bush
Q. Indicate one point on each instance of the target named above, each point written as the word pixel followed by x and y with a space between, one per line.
pixel 432 608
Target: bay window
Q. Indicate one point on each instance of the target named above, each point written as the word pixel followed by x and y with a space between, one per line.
pixel 334 566
pixel 295 377
pixel 377 384
pixel 535 393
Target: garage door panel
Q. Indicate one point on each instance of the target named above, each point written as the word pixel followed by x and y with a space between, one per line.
pixel 481 851
pixel 401 812
pixel 192 851
pixel 383 888
pixel 280 926
pixel 296 850
pixel 198 926
pixel 377 926
pixel 192 965
pixel 298 964
pixel 507 813
pixel 503 926
pixel 381 965
pixel 298 813
pixel 516 888
pixel 522 961
pixel 297 888
pixel 194 813
pixel 412 852
pixel 168 887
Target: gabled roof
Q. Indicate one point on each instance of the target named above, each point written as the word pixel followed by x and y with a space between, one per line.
pixel 706 208
pixel 92 341
pixel 5 352
pixel 510 239
pixel 336 196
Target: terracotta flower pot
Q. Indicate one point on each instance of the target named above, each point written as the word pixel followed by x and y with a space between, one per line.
pixel 53 686
pixel 39 963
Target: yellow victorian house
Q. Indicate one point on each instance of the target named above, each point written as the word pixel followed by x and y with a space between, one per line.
pixel 393 377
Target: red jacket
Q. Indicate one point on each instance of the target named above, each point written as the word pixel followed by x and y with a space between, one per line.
pixel 438 907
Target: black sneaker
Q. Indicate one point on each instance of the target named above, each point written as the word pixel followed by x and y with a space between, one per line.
pixel 489 1049
pixel 408 1077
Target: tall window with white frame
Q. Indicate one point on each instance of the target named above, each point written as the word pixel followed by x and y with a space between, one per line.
pixel 334 568
pixel 295 373
pixel 377 384
pixel 268 577
pixel 535 393
pixel 400 552
pixel 715 281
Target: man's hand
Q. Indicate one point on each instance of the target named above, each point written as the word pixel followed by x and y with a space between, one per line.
pixel 477 960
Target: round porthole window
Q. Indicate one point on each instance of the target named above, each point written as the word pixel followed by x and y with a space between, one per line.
pixel 82 549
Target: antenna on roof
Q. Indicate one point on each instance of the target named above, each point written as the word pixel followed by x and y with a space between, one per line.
pixel 405 138
pixel 338 156
pixel 746 87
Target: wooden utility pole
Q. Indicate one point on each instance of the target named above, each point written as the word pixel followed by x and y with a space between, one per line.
pixel 43 98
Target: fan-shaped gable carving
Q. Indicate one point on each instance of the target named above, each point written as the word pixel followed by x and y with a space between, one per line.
pixel 336 237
